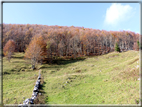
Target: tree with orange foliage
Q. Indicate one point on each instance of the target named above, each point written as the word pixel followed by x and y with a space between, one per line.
pixel 9 48
pixel 36 51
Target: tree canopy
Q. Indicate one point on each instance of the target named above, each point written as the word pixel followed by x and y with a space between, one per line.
pixel 69 41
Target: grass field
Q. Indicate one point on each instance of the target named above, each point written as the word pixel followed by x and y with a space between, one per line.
pixel 18 80
pixel 106 79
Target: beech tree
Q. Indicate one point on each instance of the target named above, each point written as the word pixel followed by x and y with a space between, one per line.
pixel 36 51
pixel 61 46
pixel 9 48
pixel 70 41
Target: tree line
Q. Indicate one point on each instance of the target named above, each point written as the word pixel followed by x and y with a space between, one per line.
pixel 63 41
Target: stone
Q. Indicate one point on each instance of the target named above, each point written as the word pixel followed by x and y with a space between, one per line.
pixel 39 93
pixel 31 101
pixel 35 89
pixel 37 83
pixel 34 94
pixel 37 86
pixel 39 77
pixel 33 98
pixel 26 101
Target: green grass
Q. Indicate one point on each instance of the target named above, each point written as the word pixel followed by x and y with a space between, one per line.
pixel 18 80
pixel 106 79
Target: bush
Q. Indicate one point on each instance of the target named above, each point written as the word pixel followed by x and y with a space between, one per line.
pixel 117 49
pixel 139 45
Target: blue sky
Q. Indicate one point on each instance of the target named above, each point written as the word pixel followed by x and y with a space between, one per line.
pixel 106 16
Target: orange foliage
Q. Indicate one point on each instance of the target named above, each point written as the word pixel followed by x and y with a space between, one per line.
pixel 68 40
pixel 36 48
pixel 9 48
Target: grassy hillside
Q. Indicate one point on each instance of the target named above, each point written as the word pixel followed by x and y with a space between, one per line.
pixel 106 79
pixel 18 79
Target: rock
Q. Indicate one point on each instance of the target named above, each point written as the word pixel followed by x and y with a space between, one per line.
pixel 39 77
pixel 34 94
pixel 37 83
pixel 37 86
pixel 33 98
pixel 26 101
pixel 39 93
pixel 35 89
pixel 31 101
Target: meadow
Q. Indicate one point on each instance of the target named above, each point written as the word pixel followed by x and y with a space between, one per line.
pixel 105 79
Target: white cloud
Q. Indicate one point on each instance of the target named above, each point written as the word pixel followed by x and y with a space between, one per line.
pixel 117 13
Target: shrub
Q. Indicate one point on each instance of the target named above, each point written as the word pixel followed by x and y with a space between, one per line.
pixel 117 49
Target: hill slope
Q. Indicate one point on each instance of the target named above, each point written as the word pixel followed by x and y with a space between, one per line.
pixel 106 79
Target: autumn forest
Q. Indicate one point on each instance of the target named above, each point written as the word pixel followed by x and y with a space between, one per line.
pixel 67 42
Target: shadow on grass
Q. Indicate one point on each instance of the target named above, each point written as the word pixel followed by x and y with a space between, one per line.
pixel 41 98
pixel 5 73
pixel 43 92
pixel 18 57
pixel 61 62
pixel 42 86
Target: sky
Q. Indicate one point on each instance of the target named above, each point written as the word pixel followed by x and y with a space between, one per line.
pixel 103 16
